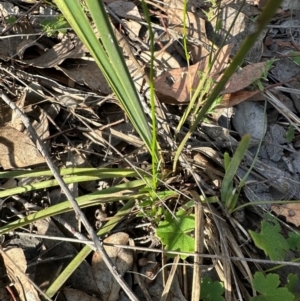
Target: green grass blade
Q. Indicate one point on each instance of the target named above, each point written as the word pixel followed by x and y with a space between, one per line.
pixel 262 21
pixel 103 196
pixel 92 176
pixel 233 166
pixel 103 173
pixel 109 58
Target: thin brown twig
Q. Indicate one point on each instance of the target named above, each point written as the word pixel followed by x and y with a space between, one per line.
pixel 144 249
pixel 167 288
pixel 196 287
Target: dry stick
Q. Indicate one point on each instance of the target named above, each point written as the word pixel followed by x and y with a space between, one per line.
pixel 167 288
pixel 196 288
pixel 36 139
pixel 144 249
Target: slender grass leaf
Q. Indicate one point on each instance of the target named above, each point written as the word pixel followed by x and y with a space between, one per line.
pixel 109 58
pixel 233 166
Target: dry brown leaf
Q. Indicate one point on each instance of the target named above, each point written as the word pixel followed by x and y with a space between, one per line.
pixel 9 47
pixel 77 295
pixel 58 53
pixel 244 78
pixel 259 3
pixel 174 86
pixel 41 124
pixel 197 53
pixel 121 259
pixel 109 1
pixel 290 211
pixel 230 100
pixel 17 150
pixel 87 73
pixel 24 288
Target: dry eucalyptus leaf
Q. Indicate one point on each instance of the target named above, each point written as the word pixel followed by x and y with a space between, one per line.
pixel 17 149
pixel 39 121
pixel 87 73
pixel 8 47
pixel 195 25
pixel 161 59
pixel 244 78
pixel 58 53
pixel 233 99
pixel 174 86
pixel 25 290
pixel 290 211
pixel 197 53
pixel 81 278
pixel 7 9
pixel 121 259
pixel 134 27
pixel 24 45
pixel 290 5
pixel 285 69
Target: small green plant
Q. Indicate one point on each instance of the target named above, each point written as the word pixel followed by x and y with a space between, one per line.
pixel 264 75
pixel 267 286
pixel 272 242
pixel 57 24
pixel 229 194
pixel 292 282
pixel 295 57
pixel 174 232
pixel 211 290
pixel 290 134
pixel 262 22
pixel 11 19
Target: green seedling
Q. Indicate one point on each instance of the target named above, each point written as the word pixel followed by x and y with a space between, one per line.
pixel 267 286
pixel 264 75
pixel 211 290
pixel 272 242
pixel 295 57
pixel 174 232
pixel 290 134
pixel 229 194
pixel 57 24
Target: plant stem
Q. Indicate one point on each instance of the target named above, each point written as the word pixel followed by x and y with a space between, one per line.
pixel 263 20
